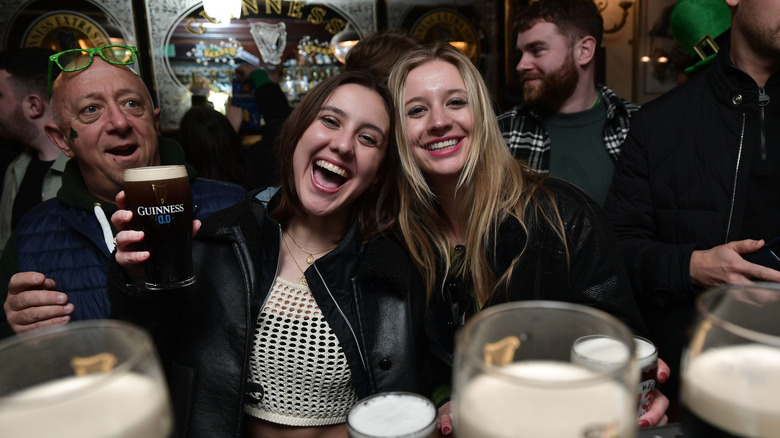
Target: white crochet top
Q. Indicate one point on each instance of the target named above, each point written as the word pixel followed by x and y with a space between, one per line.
pixel 298 362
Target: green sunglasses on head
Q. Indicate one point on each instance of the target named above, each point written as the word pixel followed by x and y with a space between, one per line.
pixel 79 59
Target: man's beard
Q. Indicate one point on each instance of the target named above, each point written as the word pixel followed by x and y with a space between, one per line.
pixel 548 96
pixel 765 41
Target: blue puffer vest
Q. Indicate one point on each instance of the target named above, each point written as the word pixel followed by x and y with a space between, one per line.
pixel 67 245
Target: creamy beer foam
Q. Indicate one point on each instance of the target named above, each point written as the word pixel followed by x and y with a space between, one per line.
pixel 391 415
pixel 646 352
pixel 493 407
pixel 604 353
pixel 735 389
pixel 130 405
pixel 154 173
pixel 601 350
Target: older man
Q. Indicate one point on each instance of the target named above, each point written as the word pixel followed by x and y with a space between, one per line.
pixel 105 121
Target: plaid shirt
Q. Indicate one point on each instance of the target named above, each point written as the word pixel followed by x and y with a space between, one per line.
pixel 527 139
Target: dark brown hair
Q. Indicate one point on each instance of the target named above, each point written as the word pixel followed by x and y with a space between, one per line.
pixel 575 19
pixel 379 52
pixel 27 68
pixel 377 208
pixel 213 147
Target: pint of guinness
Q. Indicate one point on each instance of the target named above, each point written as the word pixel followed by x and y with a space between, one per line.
pixel 161 202
pixel 732 392
pixel 86 379
pixel 392 414
pixel 604 352
pixel 730 372
pixel 515 377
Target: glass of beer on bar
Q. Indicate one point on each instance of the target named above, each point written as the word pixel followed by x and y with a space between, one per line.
pixel 514 375
pixel 161 201
pixel 599 351
pixel 731 369
pixel 86 379
pixel 391 415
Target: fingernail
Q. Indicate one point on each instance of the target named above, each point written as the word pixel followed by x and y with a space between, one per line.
pixel 65 319
pixel 68 308
pixel 643 424
pixel 662 377
pixel 61 298
pixel 446 430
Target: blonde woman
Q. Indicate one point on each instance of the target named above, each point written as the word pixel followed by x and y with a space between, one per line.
pixel 481 229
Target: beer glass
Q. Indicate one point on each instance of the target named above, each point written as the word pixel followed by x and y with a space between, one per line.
pixel 514 377
pixel 730 372
pixel 86 379
pixel 392 415
pixel 161 202
pixel 599 351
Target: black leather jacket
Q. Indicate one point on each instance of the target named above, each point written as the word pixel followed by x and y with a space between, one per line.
pixel 370 294
pixel 595 274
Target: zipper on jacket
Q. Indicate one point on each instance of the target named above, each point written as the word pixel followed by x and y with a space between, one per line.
pixel 763 101
pixel 341 312
pixel 736 176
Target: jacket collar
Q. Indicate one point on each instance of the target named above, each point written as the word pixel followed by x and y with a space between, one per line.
pixel 732 86
pixel 59 164
pixel 259 209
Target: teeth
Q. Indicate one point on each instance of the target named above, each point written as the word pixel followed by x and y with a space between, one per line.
pixel 442 145
pixel 332 168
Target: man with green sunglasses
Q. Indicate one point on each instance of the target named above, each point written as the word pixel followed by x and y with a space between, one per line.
pixel 79 59
pixel 105 121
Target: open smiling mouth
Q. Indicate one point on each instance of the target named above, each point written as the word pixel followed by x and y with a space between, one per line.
pixel 442 145
pixel 123 151
pixel 329 175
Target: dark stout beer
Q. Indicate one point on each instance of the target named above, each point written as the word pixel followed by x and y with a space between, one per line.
pixel 161 202
pixel 732 392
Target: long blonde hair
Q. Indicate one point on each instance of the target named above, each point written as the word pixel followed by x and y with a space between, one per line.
pixel 493 185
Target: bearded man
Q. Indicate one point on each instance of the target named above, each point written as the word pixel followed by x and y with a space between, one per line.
pixel 562 105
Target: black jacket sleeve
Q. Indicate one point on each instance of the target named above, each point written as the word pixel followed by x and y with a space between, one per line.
pixel 659 270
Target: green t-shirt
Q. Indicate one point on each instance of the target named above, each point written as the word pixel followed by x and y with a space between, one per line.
pixel 577 152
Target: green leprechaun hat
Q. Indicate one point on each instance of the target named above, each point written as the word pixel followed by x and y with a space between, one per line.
pixel 695 24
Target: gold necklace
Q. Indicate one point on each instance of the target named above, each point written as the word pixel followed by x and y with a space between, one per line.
pixel 303 276
pixel 310 254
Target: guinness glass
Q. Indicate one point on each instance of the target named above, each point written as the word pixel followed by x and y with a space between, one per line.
pixel 86 379
pixel 514 376
pixel 161 202
pixel 603 352
pixel 392 414
pixel 731 369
